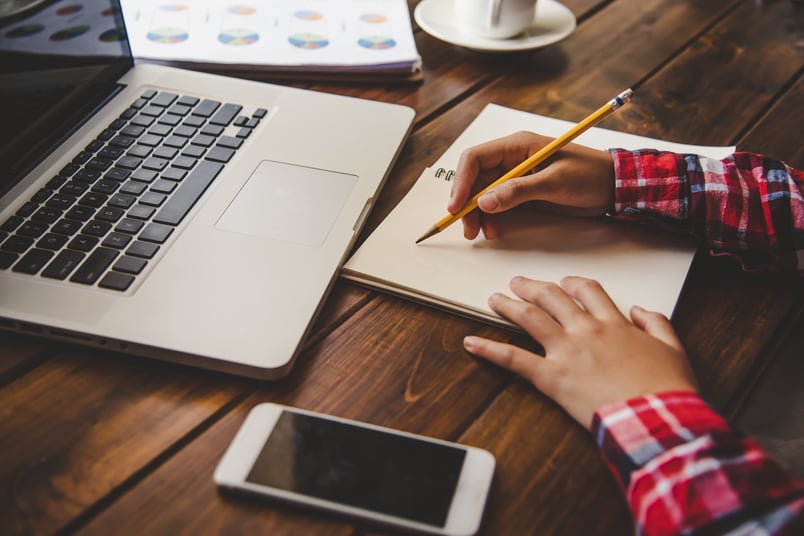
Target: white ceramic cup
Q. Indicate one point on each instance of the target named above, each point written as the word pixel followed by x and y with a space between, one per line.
pixel 495 19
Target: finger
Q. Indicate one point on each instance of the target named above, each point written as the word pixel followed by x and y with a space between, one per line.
pixel 657 325
pixel 530 366
pixel 592 296
pixel 547 296
pixel 532 318
pixel 471 225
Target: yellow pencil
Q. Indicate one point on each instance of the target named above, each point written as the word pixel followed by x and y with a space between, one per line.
pixel 537 158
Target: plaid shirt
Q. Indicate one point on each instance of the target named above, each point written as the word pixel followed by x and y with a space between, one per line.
pixel 747 205
pixel 684 470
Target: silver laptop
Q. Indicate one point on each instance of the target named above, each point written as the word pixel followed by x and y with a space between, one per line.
pixel 173 214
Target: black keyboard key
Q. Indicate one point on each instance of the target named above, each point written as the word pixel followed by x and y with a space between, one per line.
pixel 155 232
pixel 52 241
pixel 141 122
pixel 146 250
pixel 163 186
pixel 116 281
pixel 57 182
pixel 123 142
pixel 25 210
pixel 149 94
pixel 240 121
pixel 83 242
pixel 203 140
pixel 153 111
pixel 243 133
pixel 87 176
pixel 7 258
pixel 47 215
pixel 206 108
pixel 251 123
pixel 12 223
pixel 93 199
pixel 212 130
pixel 122 200
pixel 80 213
pixel 220 154
pixel 184 162
pixel 130 265
pixel 81 157
pixel 42 195
pixel 171 120
pixel 118 173
pixel 61 201
pixel 94 266
pixel 153 199
pixel 68 227
pixel 174 174
pixel 159 131
pixel 111 152
pixel 166 152
pixel 225 115
pixel 230 141
pixel 69 170
pixel 164 99
pixel 96 228
pixel 141 212
pixel 63 265
pixel 186 131
pixel 190 191
pixel 176 141
pixel 259 113
pixel 33 261
pixel 155 164
pixel 179 109
pixel 144 175
pixel 194 151
pixel 33 229
pixel 139 151
pixel 129 162
pixel 151 140
pixel 188 101
pixel 128 225
pixel 116 240
pixel 111 214
pixel 74 188
pixel 17 243
pixel 105 186
pixel 133 188
pixel 99 164
pixel 194 121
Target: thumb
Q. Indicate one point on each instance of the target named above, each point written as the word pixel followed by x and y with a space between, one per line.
pixel 656 325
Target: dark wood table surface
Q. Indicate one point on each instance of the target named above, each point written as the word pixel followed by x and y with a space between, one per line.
pixel 101 443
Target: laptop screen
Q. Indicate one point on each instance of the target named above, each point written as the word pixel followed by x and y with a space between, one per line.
pixel 59 61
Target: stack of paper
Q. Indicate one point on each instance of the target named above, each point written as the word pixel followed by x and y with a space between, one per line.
pixel 637 265
pixel 362 38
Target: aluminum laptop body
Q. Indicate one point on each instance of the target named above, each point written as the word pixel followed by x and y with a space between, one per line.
pixel 239 280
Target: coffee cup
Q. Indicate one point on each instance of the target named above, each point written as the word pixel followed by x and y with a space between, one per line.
pixel 494 19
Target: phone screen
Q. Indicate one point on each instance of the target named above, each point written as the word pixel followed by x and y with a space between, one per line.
pixel 359 467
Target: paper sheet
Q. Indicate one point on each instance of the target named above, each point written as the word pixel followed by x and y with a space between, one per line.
pixel 336 34
pixel 635 264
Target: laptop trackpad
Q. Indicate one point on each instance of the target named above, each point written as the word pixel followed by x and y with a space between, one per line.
pixel 288 202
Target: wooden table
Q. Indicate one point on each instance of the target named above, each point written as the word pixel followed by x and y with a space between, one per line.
pixel 101 443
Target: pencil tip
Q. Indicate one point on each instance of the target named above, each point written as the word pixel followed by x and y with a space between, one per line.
pixel 433 230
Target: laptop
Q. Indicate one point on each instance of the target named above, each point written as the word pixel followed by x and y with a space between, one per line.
pixel 168 213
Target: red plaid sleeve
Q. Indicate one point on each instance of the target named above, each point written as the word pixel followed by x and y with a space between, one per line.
pixel 684 470
pixel 747 205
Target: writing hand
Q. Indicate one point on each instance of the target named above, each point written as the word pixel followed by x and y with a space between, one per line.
pixel 593 354
pixel 576 181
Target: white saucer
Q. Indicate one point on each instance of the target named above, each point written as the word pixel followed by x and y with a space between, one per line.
pixel 553 22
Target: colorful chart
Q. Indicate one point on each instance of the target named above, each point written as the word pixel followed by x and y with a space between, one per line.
pixel 241 10
pixel 70 33
pixel 24 31
pixel 373 18
pixel 113 35
pixel 69 10
pixel 308 40
pixel 168 35
pixel 307 14
pixel 238 37
pixel 174 8
pixel 376 42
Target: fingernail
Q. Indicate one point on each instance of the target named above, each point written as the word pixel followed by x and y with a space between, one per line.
pixel 469 342
pixel 488 202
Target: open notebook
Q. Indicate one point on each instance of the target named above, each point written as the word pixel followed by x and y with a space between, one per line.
pixel 636 264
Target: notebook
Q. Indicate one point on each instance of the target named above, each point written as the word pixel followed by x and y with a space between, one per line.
pixel 635 264
pixel 173 214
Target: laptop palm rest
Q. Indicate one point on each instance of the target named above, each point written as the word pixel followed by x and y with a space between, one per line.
pixel 288 202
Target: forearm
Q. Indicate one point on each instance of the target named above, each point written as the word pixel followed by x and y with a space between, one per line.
pixel 685 470
pixel 746 205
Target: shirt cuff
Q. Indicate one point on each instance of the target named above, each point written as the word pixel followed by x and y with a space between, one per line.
pixel 632 433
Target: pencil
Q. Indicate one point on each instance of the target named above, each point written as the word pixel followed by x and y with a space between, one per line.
pixel 535 159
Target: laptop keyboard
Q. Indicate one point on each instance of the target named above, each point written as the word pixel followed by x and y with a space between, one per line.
pixel 108 212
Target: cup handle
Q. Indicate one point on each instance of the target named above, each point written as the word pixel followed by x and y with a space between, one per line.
pixel 495 7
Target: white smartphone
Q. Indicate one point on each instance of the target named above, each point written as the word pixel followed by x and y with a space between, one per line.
pixel 374 473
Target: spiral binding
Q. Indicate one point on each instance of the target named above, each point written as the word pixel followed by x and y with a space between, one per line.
pixel 448 174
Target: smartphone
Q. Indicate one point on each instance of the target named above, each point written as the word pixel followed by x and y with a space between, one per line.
pixel 377 474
